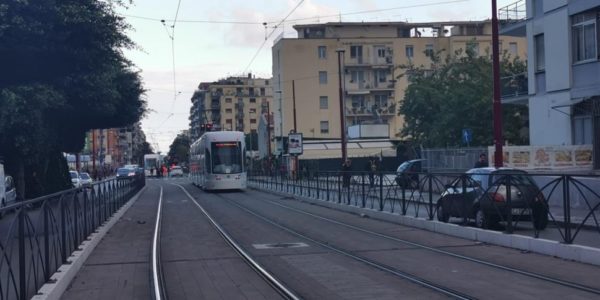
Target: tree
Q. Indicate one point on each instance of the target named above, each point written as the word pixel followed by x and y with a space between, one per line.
pixel 179 150
pixel 455 94
pixel 63 74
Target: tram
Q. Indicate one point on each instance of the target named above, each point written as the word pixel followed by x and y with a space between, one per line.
pixel 217 161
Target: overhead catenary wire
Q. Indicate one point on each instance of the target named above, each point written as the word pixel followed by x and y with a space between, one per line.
pixel 269 35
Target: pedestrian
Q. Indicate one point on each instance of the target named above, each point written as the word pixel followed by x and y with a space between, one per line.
pixel 346 168
pixel 371 168
pixel 482 162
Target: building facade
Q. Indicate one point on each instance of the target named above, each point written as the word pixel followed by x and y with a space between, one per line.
pixel 305 69
pixel 233 103
pixel 563 70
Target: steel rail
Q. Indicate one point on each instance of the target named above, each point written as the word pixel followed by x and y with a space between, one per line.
pixel 382 267
pixel 158 283
pixel 455 255
pixel 282 289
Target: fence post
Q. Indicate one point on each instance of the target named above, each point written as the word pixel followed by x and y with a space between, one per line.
pixel 63 230
pixel 318 187
pixel 327 185
pixel 340 187
pixel 380 191
pixel 403 187
pixel 362 179
pixel 85 212
pixel 46 242
pixel 75 221
pixel 509 224
pixel 22 266
pixel 567 209
pixel 430 192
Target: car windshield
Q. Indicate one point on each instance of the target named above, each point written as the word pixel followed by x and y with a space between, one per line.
pixel 73 175
pixel 85 176
pixel 516 177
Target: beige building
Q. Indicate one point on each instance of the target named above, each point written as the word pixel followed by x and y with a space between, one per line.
pixel 306 68
pixel 233 103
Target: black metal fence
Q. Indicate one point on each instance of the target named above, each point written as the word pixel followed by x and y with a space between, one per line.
pixel 38 235
pixel 568 204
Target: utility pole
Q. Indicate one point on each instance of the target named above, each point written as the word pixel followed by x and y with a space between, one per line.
pixel 340 52
pixel 497 108
pixel 295 129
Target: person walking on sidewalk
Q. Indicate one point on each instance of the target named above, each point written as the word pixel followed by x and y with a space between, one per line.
pixel 346 168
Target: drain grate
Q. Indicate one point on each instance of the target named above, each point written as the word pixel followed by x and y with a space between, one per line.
pixel 279 245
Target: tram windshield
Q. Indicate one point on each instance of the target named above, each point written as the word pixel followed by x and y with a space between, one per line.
pixel 226 157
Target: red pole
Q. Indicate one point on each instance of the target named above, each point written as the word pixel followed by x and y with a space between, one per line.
pixel 497 108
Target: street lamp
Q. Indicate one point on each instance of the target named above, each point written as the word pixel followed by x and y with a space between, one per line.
pixel 340 53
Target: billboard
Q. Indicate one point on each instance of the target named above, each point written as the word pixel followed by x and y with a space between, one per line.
pixel 295 144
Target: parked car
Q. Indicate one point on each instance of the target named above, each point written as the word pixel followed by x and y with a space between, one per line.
pixel 86 180
pixel 176 171
pixel 124 173
pixel 407 174
pixel 75 179
pixel 9 195
pixel 485 196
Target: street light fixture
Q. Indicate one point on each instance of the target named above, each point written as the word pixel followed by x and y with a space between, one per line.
pixel 340 53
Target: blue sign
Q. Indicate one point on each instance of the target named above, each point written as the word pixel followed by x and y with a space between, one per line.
pixel 467 135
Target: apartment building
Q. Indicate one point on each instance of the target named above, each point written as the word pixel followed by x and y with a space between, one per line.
pixel 306 69
pixel 564 69
pixel 233 103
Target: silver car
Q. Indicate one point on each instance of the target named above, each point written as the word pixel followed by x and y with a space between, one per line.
pixel 86 180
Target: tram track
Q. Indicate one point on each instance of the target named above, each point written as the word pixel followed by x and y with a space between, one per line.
pixel 158 283
pixel 374 264
pixel 538 276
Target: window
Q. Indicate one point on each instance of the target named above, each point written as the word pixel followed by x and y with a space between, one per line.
pixel 322 51
pixel 355 51
pixel 381 100
pixel 229 121
pixel 582 130
pixel 540 58
pixel 252 121
pixel 228 100
pixel 322 77
pixel 324 127
pixel 429 50
pixel 409 51
pixel 252 100
pixel 323 102
pixel 584 36
pixel 380 52
pixel 266 82
pixel 381 75
pixel 228 111
pixel 253 110
pixel 513 49
pixel 262 91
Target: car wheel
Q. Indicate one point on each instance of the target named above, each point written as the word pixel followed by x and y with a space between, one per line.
pixel 481 219
pixel 442 214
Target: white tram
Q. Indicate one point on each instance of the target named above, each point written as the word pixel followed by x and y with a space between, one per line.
pixel 217 161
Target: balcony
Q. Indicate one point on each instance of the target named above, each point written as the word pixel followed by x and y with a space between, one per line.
pixel 515 89
pixel 512 19
pixel 370 111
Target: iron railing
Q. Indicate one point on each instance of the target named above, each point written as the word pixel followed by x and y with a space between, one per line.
pixel 567 204
pixel 513 12
pixel 37 236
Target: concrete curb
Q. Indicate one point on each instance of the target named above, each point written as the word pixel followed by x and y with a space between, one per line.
pixel 579 253
pixel 65 274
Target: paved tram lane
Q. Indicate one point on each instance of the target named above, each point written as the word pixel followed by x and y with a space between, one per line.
pixel 312 271
pixel 474 279
pixel 197 262
pixel 119 268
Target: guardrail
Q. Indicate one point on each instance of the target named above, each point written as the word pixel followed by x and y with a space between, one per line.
pixel 566 203
pixel 38 235
pixel 513 12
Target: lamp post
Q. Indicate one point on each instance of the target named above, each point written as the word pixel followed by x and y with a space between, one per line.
pixel 340 52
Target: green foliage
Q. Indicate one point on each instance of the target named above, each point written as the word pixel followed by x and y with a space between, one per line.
pixel 179 150
pixel 63 73
pixel 456 93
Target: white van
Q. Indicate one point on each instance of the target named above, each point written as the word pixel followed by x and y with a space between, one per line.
pixel 8 193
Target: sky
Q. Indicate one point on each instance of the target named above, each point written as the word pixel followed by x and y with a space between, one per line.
pixel 209 40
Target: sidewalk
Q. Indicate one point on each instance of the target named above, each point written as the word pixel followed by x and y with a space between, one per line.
pixel 118 267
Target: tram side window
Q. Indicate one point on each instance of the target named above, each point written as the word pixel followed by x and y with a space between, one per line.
pixel 226 157
pixel 207 161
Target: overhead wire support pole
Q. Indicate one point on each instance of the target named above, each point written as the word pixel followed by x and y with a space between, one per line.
pixel 497 105
pixel 340 53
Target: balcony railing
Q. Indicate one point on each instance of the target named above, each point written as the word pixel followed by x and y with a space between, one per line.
pixel 514 86
pixel 513 12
